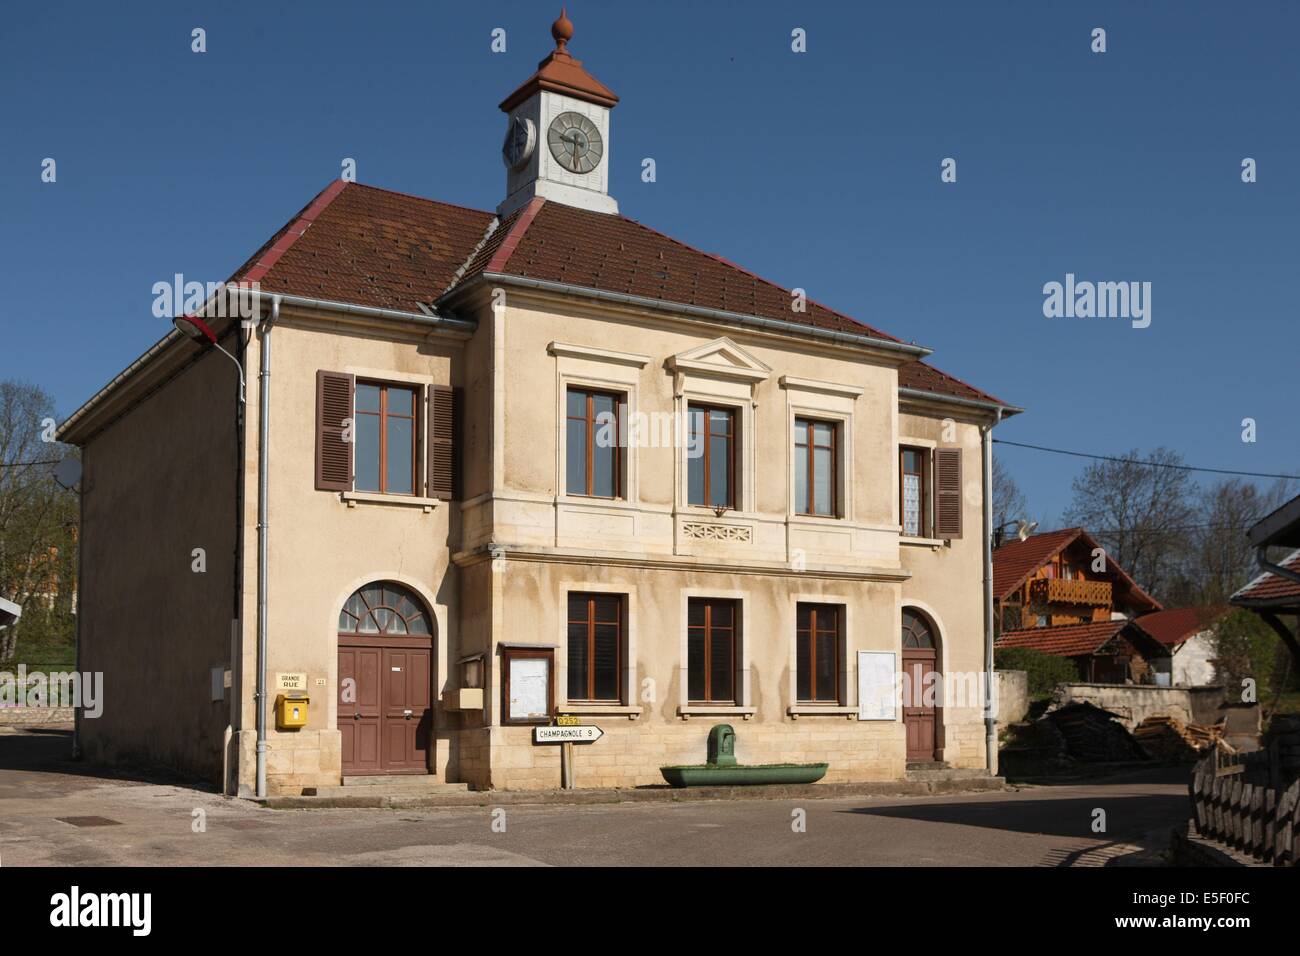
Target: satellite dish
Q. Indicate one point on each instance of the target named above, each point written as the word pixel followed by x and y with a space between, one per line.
pixel 68 472
pixel 1025 528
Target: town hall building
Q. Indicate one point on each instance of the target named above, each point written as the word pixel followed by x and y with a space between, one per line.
pixel 495 468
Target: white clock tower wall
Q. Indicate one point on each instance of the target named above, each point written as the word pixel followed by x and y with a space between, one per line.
pixel 542 174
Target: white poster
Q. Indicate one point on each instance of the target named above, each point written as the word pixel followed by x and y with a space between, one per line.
pixel 876 684
pixel 530 681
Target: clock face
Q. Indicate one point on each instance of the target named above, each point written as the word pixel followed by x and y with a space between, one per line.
pixel 575 142
pixel 521 139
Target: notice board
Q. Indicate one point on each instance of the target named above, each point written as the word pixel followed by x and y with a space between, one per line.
pixel 876 683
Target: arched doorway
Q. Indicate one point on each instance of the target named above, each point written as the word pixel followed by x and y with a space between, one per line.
pixel 385 711
pixel 921 711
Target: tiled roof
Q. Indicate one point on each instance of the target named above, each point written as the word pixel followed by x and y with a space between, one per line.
pixel 1270 588
pixel 368 246
pixel 1175 625
pixel 1016 560
pixel 1064 640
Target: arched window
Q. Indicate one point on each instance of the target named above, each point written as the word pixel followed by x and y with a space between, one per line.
pixel 384 608
pixel 916 631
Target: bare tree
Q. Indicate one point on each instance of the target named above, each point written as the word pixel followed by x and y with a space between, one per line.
pixel 1009 502
pixel 37 516
pixel 1222 559
pixel 1142 510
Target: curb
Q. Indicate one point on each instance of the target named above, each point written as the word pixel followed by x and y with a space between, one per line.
pixel 660 794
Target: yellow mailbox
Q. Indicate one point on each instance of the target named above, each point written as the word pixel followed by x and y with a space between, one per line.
pixel 291 711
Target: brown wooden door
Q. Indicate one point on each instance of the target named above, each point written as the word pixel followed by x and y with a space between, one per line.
pixel 385 705
pixel 920 714
pixel 388 726
pixel 359 708
pixel 406 711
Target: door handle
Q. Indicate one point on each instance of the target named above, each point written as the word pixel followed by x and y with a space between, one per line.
pixel 407 714
pixel 356 716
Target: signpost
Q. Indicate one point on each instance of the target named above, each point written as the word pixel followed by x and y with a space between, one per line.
pixel 582 734
pixel 566 733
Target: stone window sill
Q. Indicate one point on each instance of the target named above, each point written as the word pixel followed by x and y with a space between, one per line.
pixel 351 498
pixel 601 710
pixel 707 710
pixel 933 544
pixel 821 710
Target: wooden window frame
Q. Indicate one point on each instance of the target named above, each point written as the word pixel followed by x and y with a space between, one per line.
pixel 926 474
pixel 810 633
pixel 589 439
pixel 708 628
pixel 620 603
pixel 706 457
pixel 510 654
pixel 383 415
pixel 805 426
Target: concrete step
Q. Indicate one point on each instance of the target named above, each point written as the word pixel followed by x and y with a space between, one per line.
pixel 414 781
pixel 946 774
pixel 398 785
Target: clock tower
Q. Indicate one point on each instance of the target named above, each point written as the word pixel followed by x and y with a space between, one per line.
pixel 557 133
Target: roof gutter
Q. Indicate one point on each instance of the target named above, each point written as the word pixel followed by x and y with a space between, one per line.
pixel 1261 558
pixel 432 322
pixel 998 408
pixel 718 315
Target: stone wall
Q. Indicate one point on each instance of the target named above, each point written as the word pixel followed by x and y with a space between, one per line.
pixel 1133 704
pixel 1013 696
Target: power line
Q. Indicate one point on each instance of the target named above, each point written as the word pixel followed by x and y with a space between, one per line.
pixel 24 464
pixel 1151 464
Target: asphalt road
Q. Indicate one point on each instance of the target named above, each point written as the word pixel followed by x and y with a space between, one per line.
pixel 56 812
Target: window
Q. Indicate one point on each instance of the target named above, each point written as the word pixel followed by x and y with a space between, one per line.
pixel 384 435
pixel 916 632
pixel 712 457
pixel 595 647
pixel 593 444
pixel 913 497
pixel 711 645
pixel 384 608
pixel 815 479
pixel 817 653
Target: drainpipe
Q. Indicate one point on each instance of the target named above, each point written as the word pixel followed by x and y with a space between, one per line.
pixel 990 717
pixel 263 449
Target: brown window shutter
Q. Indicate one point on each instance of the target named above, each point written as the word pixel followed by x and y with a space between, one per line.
pixel 947 493
pixel 333 413
pixel 442 442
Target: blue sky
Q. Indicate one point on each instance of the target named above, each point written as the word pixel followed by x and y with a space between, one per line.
pixel 818 170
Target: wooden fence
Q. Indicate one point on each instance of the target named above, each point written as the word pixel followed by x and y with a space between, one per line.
pixel 1239 801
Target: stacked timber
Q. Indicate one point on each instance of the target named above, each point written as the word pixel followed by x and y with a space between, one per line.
pixel 1166 738
pixel 1095 735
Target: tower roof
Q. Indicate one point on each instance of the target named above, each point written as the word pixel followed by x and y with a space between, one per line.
pixel 561 73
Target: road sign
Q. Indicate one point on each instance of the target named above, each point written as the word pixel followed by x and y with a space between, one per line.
pixel 567 720
pixel 567 735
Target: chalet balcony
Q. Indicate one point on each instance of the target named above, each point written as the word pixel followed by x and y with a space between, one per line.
pixel 1058 591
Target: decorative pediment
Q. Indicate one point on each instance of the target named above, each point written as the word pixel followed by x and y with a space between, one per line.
pixel 721 358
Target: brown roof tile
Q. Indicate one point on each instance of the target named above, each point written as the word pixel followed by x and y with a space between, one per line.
pixel 1175 625
pixel 1014 561
pixel 1272 588
pixel 368 246
pixel 374 247
pixel 1064 640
